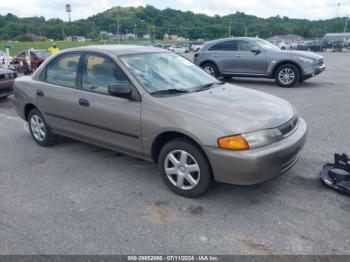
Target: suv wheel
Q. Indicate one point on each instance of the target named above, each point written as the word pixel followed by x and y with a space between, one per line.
pixel 211 69
pixel 184 168
pixel 39 129
pixel 287 75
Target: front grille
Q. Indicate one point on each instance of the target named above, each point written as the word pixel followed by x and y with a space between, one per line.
pixel 288 127
pixel 320 61
pixel 5 91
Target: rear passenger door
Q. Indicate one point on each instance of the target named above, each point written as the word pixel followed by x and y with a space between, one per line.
pixel 105 119
pixel 224 55
pixel 56 93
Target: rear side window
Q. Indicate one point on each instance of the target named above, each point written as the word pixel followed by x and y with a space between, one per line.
pixel 100 72
pixel 225 46
pixel 63 71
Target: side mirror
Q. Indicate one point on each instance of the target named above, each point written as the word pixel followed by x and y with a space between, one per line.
pixel 123 91
pixel 256 50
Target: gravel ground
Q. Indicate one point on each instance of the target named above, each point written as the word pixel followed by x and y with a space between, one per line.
pixel 75 198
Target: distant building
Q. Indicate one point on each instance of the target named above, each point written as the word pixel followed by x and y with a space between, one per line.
pixel 146 36
pixel 116 37
pixel 336 37
pixel 168 37
pixel 76 38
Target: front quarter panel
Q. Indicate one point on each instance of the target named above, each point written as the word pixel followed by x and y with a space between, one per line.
pixel 158 118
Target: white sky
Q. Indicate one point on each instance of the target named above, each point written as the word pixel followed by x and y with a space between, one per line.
pixel 309 9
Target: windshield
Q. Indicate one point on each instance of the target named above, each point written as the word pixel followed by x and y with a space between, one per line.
pixel 163 71
pixel 267 45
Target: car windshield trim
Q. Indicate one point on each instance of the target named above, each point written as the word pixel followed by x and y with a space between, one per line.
pixel 170 92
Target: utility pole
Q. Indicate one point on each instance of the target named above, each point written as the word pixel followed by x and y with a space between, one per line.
pixel 118 27
pixel 69 10
pixel 346 24
pixel 229 29
pixel 338 7
pixel 135 32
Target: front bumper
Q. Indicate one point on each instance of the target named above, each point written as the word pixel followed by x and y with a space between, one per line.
pixel 6 88
pixel 255 166
pixel 314 71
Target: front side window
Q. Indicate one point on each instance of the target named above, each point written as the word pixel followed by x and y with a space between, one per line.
pixel 245 46
pixel 164 71
pixel 100 72
pixel 63 70
pixel 225 46
pixel 267 45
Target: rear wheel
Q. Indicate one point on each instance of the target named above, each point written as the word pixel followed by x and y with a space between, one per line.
pixel 211 69
pixel 184 168
pixel 39 129
pixel 287 75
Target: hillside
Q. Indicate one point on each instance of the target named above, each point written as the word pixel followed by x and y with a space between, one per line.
pixel 149 19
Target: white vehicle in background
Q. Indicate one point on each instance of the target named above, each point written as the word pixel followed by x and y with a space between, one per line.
pixel 3 56
pixel 179 49
pixel 196 48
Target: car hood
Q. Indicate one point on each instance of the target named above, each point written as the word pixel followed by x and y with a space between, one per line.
pixel 238 109
pixel 305 54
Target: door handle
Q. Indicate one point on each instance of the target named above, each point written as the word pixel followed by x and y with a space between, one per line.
pixel 39 93
pixel 239 55
pixel 84 102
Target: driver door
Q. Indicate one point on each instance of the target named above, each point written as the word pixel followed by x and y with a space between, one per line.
pixel 110 121
pixel 249 62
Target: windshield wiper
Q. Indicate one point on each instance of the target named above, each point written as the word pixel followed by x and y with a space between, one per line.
pixel 170 91
pixel 208 86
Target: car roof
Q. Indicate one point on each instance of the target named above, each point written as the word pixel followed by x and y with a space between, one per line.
pixel 213 42
pixel 119 49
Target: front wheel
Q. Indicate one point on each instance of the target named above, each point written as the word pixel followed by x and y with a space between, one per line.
pixel 287 75
pixel 184 168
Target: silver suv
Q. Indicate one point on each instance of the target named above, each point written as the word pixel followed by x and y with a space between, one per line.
pixel 255 57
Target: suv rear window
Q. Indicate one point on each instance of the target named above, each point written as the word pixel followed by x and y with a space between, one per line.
pixel 224 46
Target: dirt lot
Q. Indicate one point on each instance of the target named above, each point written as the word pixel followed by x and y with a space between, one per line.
pixel 76 198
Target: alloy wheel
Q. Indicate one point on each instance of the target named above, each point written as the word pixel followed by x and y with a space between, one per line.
pixel 210 70
pixel 286 76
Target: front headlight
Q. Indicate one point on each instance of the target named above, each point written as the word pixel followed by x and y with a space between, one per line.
pixel 250 140
pixel 306 60
pixel 262 138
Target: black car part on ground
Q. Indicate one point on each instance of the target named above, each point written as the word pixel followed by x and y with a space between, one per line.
pixel 337 175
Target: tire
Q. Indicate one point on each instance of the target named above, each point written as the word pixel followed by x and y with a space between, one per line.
pixel 287 69
pixel 201 176
pixel 211 69
pixel 39 129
